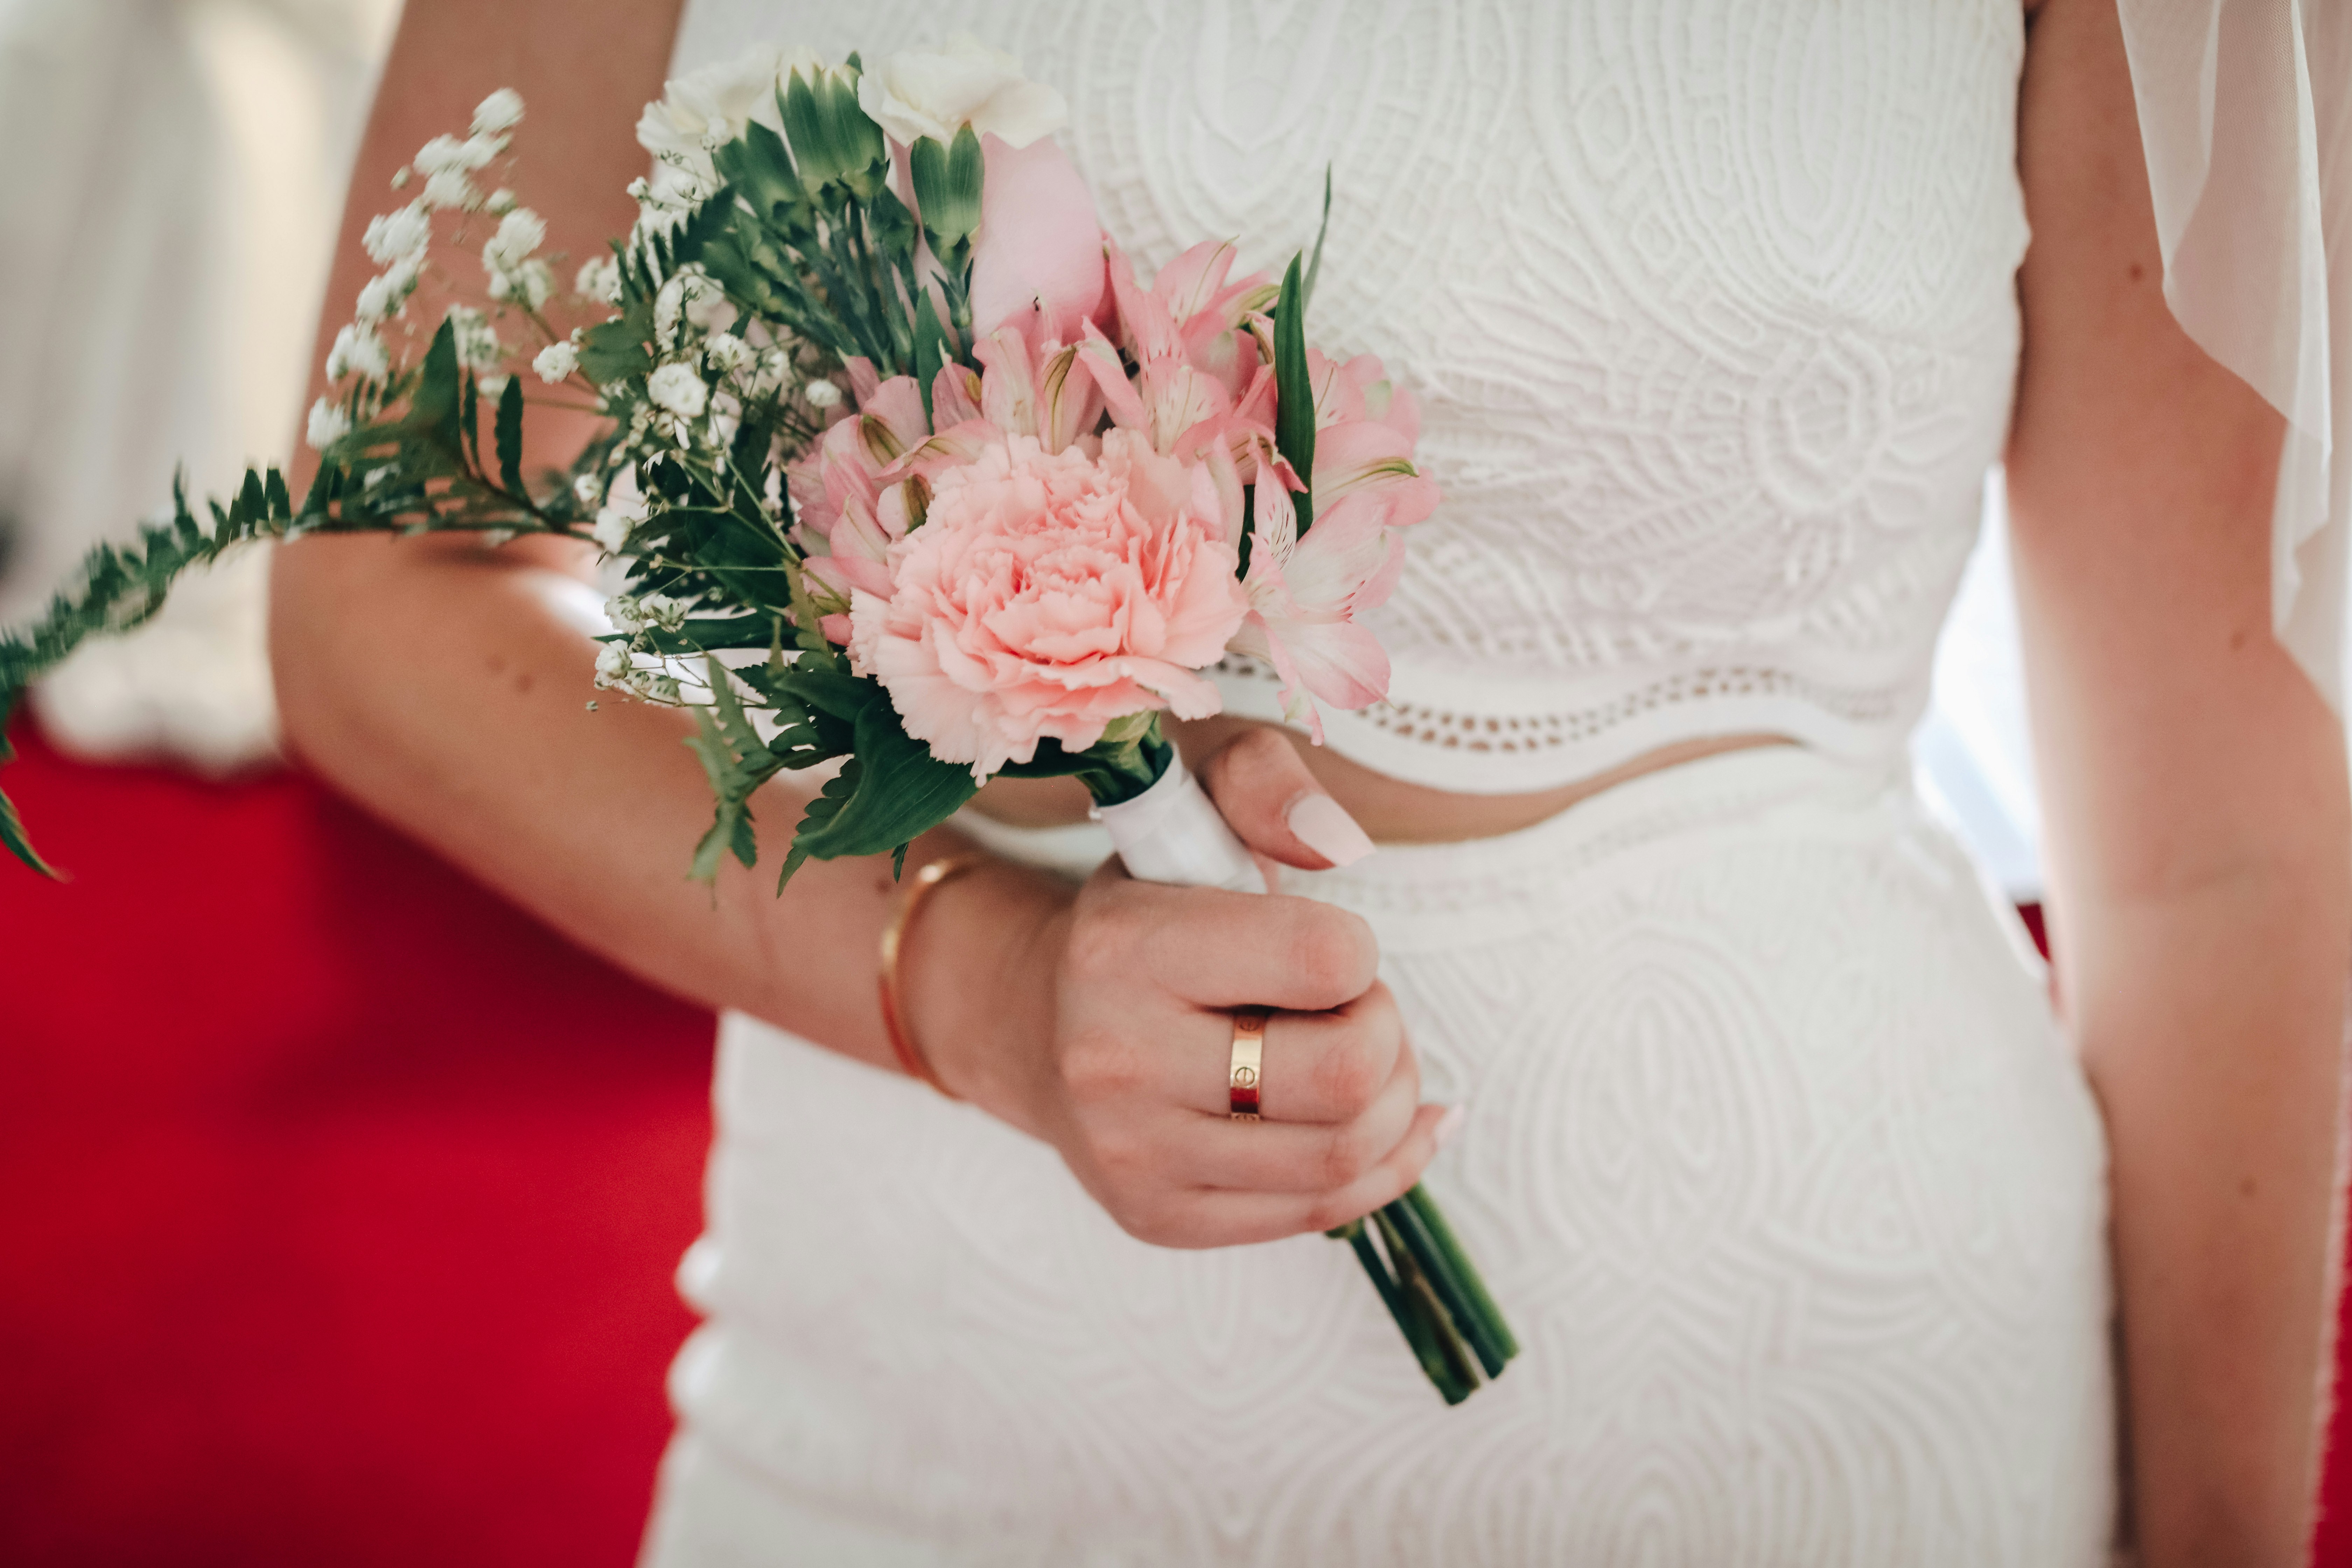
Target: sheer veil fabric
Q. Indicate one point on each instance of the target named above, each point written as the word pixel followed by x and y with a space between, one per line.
pixel 2246 113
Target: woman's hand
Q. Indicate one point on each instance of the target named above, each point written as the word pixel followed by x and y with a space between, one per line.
pixel 1103 1022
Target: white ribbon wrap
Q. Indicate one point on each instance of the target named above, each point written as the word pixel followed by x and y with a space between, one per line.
pixel 1172 833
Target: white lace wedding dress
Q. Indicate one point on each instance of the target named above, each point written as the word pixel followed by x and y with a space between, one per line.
pixel 1775 1157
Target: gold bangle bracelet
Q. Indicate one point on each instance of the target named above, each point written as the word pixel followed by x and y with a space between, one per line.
pixel 919 885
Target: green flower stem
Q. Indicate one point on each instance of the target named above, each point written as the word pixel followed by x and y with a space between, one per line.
pixel 1411 1312
pixel 1448 1362
pixel 1475 1288
pixel 1439 1269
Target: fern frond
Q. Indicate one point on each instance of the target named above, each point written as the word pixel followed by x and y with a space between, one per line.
pixel 118 586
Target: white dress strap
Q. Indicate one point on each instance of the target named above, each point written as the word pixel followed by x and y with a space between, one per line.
pixel 2246 111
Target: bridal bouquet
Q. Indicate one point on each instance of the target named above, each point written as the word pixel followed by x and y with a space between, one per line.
pixel 908 470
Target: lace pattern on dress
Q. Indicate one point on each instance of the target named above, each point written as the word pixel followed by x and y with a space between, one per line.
pixel 1710 310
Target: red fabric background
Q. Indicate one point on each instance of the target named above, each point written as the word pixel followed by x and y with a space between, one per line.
pixel 338 1201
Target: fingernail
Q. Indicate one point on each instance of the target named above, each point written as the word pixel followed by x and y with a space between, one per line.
pixel 1324 826
pixel 1450 1123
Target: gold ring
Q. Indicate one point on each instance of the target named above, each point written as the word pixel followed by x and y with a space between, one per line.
pixel 1249 1056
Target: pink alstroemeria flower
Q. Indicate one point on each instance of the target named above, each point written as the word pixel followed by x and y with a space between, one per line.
pixel 868 480
pixel 1030 384
pixel 1039 242
pixel 1308 591
pixel 1190 355
pixel 1306 594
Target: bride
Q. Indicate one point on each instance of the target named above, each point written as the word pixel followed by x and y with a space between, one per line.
pixel 1827 1240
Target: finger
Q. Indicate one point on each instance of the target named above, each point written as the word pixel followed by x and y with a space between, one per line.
pixel 1298 1157
pixel 1317 1068
pixel 1219 949
pixel 1225 1218
pixel 1263 789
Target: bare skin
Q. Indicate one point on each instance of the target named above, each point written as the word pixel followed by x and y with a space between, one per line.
pixel 2195 786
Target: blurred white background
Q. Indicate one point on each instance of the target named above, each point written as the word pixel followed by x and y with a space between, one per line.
pixel 177 170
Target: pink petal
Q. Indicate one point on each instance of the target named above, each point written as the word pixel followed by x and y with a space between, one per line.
pixel 1071 400
pixel 1039 241
pixel 1119 393
pixel 1186 285
pixel 1339 661
pixel 955 397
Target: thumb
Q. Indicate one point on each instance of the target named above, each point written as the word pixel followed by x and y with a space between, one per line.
pixel 1263 790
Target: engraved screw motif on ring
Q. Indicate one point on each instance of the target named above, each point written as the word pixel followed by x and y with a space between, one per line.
pixel 1249 1058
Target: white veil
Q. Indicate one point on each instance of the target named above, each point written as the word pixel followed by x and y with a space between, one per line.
pixel 2246 111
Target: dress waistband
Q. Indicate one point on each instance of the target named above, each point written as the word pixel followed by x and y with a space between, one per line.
pixel 1501 876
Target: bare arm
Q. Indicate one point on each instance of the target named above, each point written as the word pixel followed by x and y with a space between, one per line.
pixel 2200 856
pixel 433 681
pixel 430 680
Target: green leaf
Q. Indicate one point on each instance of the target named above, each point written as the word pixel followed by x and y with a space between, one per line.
pixel 469 420
pixel 433 407
pixel 1315 265
pixel 758 167
pixel 12 827
pixel 843 696
pixel 614 350
pixel 902 791
pixel 819 814
pixel 509 437
pixel 117 588
pixel 1294 417
pixel 931 351
pixel 893 228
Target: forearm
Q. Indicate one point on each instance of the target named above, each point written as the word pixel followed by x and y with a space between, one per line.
pixel 2211 1023
pixel 433 683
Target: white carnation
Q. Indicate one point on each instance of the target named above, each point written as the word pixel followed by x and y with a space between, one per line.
pixel 399 236
pixel 613 661
pixel 708 108
pixel 822 394
pixel 358 351
pixel 677 388
pixel 328 425
pixel 936 91
pixel 556 362
pixel 502 110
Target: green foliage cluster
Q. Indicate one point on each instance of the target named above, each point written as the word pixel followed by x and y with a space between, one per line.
pixel 820 257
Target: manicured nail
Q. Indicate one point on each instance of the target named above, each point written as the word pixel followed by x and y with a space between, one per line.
pixel 1324 826
pixel 1450 1123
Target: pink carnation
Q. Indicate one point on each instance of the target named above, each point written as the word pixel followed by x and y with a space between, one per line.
pixel 1048 594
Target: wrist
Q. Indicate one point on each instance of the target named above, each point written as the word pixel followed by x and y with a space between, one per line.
pixel 975 985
